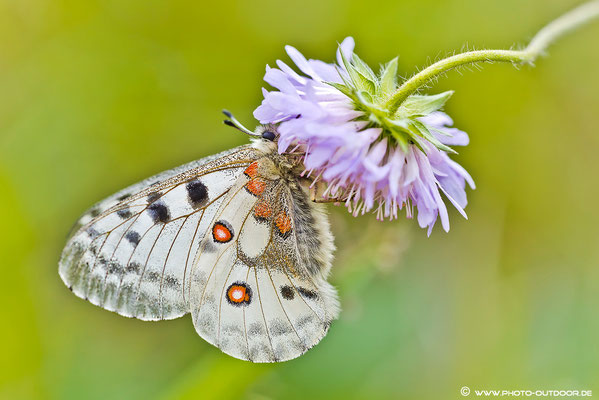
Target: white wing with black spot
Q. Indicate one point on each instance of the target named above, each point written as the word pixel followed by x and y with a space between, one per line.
pixel 132 253
pixel 258 288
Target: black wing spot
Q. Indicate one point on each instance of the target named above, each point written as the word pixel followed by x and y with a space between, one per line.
pixel 91 232
pixel 255 329
pixel 197 192
pixel 133 237
pixel 305 321
pixel 159 212
pixel 152 197
pixel 171 282
pixel 307 293
pixel 133 268
pixel 287 292
pixel 278 327
pixel 115 268
pixel 124 197
pixel 153 276
pixel 94 212
pixel 124 213
pixel 101 262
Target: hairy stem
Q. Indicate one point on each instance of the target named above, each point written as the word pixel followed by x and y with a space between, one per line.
pixel 535 48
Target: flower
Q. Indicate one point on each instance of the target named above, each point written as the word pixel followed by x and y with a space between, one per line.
pixel 368 157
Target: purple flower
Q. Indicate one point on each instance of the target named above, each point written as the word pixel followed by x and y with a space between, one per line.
pixel 370 160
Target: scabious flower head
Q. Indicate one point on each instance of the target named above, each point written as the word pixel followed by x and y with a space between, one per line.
pixel 369 157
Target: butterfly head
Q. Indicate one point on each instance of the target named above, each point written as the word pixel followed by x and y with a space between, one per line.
pixel 267 132
pixel 265 139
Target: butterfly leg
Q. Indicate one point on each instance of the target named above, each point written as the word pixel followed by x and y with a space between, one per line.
pixel 316 195
pixel 329 200
pixel 317 190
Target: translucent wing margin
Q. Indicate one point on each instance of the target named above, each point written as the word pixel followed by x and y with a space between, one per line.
pixel 132 252
pixel 259 289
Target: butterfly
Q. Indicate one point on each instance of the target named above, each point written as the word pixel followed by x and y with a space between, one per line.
pixel 234 239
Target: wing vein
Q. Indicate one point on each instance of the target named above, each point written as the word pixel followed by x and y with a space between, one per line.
pixel 160 303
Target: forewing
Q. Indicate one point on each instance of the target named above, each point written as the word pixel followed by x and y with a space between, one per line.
pixel 253 294
pixel 132 252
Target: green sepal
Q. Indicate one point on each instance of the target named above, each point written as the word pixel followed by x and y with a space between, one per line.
pixel 360 82
pixel 363 68
pixel 365 98
pixel 421 105
pixel 400 139
pixel 388 80
pixel 343 89
pixel 440 132
pixel 420 129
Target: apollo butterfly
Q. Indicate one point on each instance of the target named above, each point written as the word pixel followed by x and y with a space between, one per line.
pixel 233 239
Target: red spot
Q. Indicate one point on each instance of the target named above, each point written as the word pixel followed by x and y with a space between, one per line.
pixel 262 210
pixel 256 186
pixel 221 233
pixel 283 222
pixel 252 170
pixel 238 294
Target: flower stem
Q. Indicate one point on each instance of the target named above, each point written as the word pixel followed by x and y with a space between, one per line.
pixel 546 36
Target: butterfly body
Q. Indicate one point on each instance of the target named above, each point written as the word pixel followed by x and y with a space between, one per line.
pixel 232 239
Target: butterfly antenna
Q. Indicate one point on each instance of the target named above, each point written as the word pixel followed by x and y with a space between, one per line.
pixel 232 121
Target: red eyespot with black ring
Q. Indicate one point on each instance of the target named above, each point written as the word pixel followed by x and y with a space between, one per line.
pixel 222 232
pixel 239 294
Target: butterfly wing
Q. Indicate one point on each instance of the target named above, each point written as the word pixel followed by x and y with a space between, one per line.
pixel 132 252
pixel 259 289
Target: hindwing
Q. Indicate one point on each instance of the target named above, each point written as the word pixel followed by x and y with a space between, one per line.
pixel 258 289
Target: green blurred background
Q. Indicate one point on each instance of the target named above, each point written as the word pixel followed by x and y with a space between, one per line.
pixel 95 95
